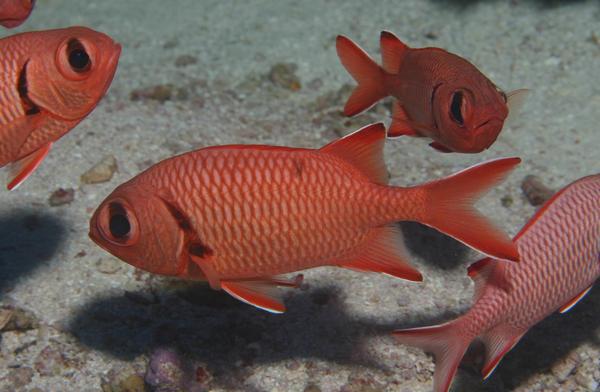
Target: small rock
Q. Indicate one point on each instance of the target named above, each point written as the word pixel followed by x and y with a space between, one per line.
pixel 108 266
pixel 20 377
pixel 185 60
pixel 123 381
pixel 133 383
pixel 431 35
pixel 506 201
pixel 5 316
pixel 49 362
pixel 170 44
pixel 61 197
pixel 203 376
pixel 535 191
pixel 101 171
pixel 312 388
pixel 563 368
pixel 182 94
pixel 165 369
pixel 160 93
pixel 594 39
pixel 283 75
pixel 364 383
pixel 16 319
pixel 586 381
pixel 123 378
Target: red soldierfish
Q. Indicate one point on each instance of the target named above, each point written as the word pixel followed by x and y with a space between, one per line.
pixel 560 261
pixel 14 12
pixel 439 94
pixel 49 82
pixel 238 216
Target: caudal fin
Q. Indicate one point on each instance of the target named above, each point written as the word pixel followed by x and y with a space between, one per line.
pixel 445 343
pixel 451 211
pixel 365 71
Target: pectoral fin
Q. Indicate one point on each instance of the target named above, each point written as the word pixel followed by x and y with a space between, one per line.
pixel 440 147
pixel 21 169
pixel 401 125
pixel 262 293
pixel 515 101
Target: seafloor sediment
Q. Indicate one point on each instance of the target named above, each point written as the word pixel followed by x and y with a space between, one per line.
pixel 198 73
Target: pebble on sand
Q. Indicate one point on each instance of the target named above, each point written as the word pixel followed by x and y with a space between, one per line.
pixel 535 191
pixel 101 171
pixel 61 197
pixel 284 75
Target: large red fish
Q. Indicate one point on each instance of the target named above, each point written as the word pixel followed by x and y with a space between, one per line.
pixel 238 216
pixel 14 12
pixel 49 82
pixel 560 261
pixel 438 94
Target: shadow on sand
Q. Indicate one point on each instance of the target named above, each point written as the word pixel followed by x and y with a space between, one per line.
pixel 228 336
pixel 433 247
pixel 28 238
pixel 211 327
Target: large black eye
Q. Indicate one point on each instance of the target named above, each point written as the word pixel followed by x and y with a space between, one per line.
pixel 456 108
pixel 79 60
pixel 118 224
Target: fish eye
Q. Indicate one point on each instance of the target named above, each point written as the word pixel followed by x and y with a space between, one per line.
pixel 79 59
pixel 456 108
pixel 118 224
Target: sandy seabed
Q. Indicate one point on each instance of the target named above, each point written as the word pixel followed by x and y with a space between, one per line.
pixel 267 72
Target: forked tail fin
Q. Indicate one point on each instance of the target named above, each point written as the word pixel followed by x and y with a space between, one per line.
pixel 445 343
pixel 367 73
pixel 449 203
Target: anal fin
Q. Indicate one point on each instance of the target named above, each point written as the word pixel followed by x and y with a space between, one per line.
pixel 20 170
pixel 566 307
pixel 385 253
pixel 262 293
pixel 498 342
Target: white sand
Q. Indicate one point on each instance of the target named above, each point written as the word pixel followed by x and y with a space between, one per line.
pixel 84 312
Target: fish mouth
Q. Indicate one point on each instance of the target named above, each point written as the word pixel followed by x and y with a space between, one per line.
pixel 112 63
pixel 12 23
pixel 488 131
